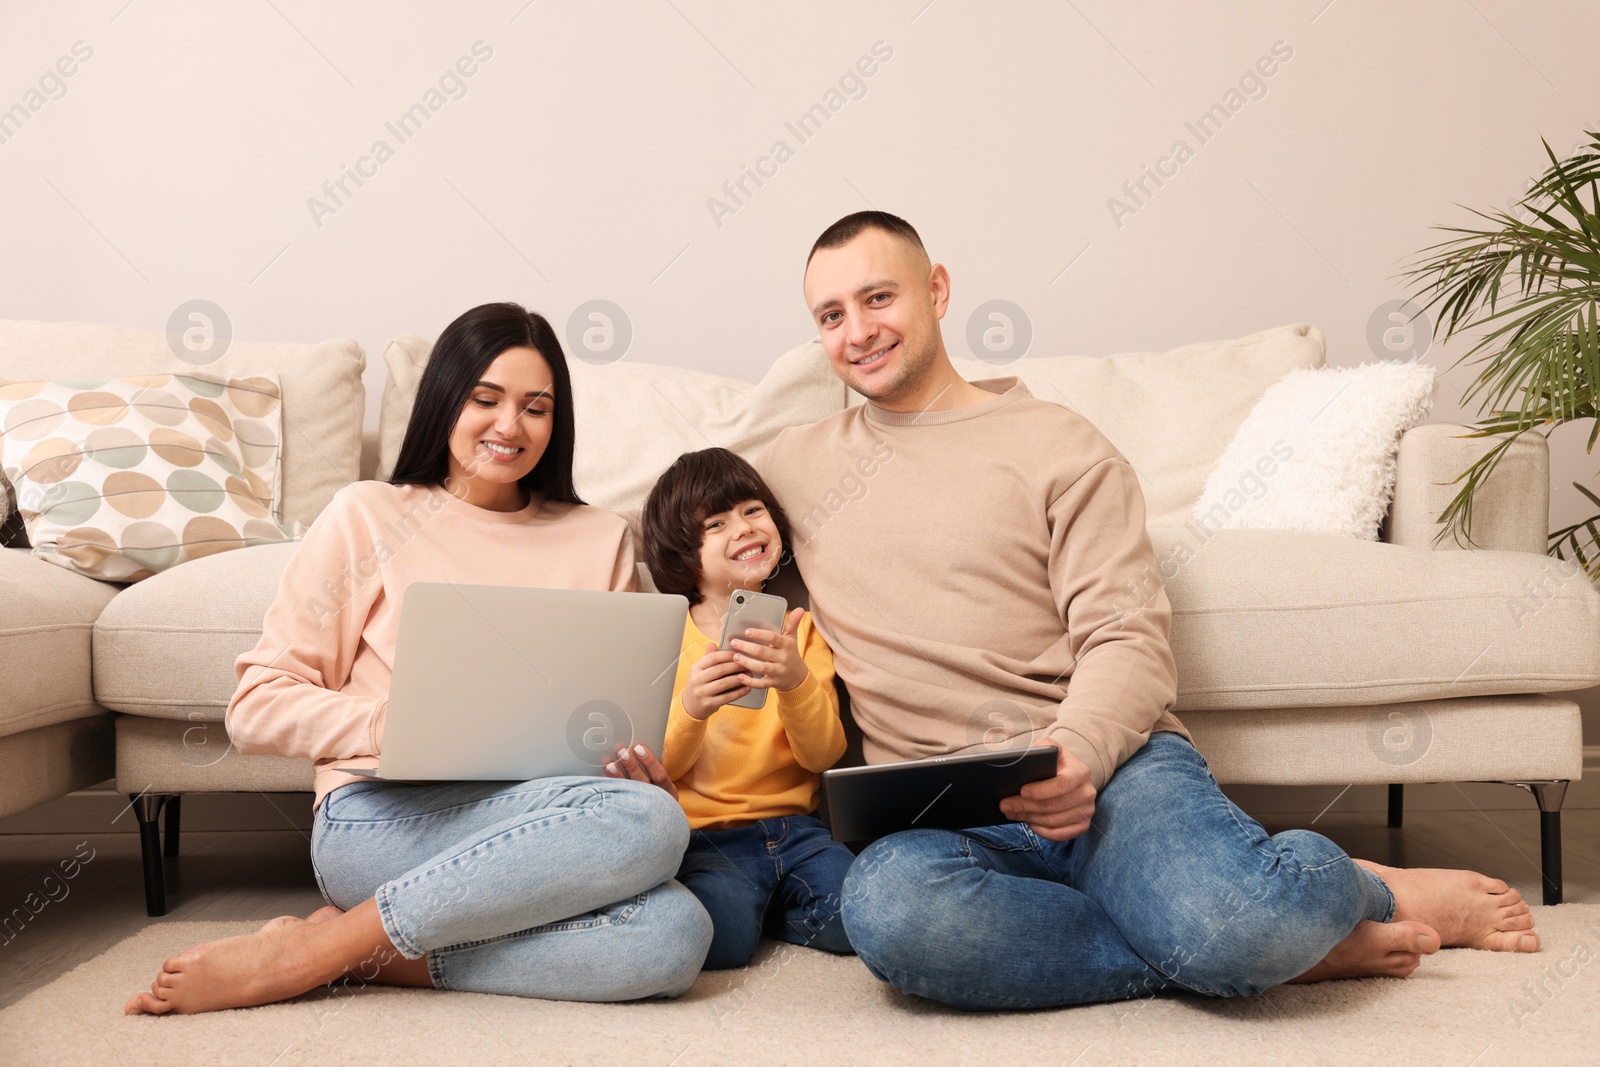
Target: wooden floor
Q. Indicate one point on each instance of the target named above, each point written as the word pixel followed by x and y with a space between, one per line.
pixel 255 875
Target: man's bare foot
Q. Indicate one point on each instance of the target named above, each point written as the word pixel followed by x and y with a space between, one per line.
pixel 272 964
pixel 1469 910
pixel 1376 950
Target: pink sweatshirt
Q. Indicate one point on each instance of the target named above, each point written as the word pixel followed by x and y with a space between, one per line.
pixel 317 683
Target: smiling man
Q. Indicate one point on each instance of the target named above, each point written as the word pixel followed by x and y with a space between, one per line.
pixel 969 593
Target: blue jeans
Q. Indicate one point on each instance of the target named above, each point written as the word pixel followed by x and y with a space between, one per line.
pixel 1172 888
pixel 784 875
pixel 556 888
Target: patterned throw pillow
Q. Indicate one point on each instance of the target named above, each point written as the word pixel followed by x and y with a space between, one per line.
pixel 123 478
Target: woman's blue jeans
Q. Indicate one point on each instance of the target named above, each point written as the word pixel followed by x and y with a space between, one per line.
pixel 783 875
pixel 556 888
pixel 1172 888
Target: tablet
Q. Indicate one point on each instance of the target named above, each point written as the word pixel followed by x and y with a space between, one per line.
pixel 945 792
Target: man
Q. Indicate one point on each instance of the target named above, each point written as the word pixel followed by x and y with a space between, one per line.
pixel 964 545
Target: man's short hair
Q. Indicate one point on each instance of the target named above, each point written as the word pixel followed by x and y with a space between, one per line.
pixel 850 227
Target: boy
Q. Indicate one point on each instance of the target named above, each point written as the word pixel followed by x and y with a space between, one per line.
pixel 747 778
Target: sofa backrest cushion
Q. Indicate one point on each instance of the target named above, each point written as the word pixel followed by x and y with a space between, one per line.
pixel 1170 413
pixel 634 419
pixel 323 398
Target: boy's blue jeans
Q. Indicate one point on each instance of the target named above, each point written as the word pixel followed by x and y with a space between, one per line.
pixel 783 875
pixel 1172 887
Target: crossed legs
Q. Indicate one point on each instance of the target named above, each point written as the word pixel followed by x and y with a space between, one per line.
pixel 554 888
pixel 1172 888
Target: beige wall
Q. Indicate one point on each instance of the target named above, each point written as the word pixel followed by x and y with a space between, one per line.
pixel 185 158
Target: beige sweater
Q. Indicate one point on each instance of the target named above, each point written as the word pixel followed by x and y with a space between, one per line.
pixel 317 683
pixel 983 576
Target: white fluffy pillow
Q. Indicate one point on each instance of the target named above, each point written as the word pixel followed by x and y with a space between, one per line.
pixel 1317 452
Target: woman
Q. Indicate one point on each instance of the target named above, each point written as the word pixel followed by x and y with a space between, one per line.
pixel 557 887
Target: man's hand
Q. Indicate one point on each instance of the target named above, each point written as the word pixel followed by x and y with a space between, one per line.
pixel 774 656
pixel 640 764
pixel 713 681
pixel 1059 808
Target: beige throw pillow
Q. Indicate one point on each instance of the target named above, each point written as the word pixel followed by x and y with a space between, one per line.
pixel 122 478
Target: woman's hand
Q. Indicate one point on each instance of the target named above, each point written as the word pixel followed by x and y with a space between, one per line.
pixel 640 764
pixel 713 681
pixel 775 657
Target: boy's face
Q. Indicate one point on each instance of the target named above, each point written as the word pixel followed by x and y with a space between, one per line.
pixel 738 549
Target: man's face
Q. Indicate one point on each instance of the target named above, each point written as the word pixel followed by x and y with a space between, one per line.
pixel 877 303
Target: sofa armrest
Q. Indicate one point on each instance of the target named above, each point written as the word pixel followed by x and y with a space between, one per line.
pixel 1511 510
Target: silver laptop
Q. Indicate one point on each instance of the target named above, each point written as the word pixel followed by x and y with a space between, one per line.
pixel 503 683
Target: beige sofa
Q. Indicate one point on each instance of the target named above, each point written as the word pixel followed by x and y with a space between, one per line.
pixel 1302 658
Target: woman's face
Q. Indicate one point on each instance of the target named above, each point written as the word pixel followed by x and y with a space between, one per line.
pixel 502 430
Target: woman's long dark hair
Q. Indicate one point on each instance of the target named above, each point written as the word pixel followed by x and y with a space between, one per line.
pixel 460 356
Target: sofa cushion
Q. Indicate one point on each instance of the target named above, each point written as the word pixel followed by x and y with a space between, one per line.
pixel 47 616
pixel 123 477
pixel 1288 618
pixel 323 398
pixel 1317 452
pixel 1170 413
pixel 634 419
pixel 165 647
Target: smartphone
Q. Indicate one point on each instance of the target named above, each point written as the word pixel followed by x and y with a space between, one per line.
pixel 752 611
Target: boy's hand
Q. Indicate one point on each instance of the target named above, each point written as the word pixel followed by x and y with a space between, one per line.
pixel 775 657
pixel 714 680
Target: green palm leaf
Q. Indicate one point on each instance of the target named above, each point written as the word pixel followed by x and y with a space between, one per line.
pixel 1528 287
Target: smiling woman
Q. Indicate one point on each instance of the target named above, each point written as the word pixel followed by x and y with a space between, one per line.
pixel 556 887
pixel 486 424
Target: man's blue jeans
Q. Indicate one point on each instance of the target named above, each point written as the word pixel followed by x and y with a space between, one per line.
pixel 784 875
pixel 1173 887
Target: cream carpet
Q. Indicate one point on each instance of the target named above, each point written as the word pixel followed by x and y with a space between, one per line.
pixel 795 1006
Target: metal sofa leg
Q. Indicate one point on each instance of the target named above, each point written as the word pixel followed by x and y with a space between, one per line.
pixel 1397 806
pixel 170 836
pixel 1549 796
pixel 148 809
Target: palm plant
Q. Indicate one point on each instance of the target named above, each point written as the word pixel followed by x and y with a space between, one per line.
pixel 1532 283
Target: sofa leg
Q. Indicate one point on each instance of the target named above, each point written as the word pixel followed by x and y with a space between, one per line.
pixel 1549 795
pixel 170 836
pixel 1397 806
pixel 148 809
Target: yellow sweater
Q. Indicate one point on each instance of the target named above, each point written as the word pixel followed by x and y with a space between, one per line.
pixel 744 764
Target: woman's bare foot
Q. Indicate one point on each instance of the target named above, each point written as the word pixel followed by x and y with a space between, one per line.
pixel 321 915
pixel 1376 950
pixel 286 957
pixel 1469 910
pixel 272 964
